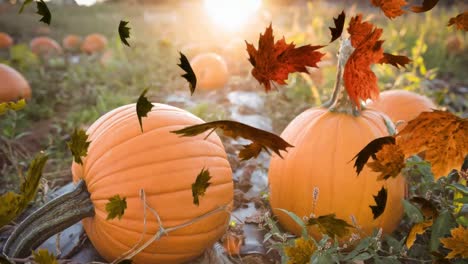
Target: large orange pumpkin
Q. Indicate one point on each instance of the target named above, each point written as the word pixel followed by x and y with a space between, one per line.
pixel 5 40
pixel 122 160
pixel 211 71
pixel 45 46
pixel 94 43
pixel 13 85
pixel 402 105
pixel 71 42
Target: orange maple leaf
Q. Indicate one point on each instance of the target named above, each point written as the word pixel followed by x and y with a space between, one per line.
pixel 274 61
pixel 460 21
pixel 389 161
pixel 391 8
pixel 457 243
pixel 443 137
pixel 360 81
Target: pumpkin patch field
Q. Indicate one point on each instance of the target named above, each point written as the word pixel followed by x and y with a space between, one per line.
pixel 247 131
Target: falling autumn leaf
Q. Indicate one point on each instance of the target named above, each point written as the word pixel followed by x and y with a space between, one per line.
pixel 426 6
pixel 460 21
pixel 360 81
pixel 115 207
pixel 370 150
pixel 189 74
pixel 43 10
pixel 301 251
pixel 200 185
pixel 381 202
pixel 441 134
pixel 395 60
pixel 330 225
pixel 391 8
pixel 339 25
pixel 274 61
pixel 25 3
pixel 457 242
pixel 233 129
pixel 389 161
pixel 78 145
pixel 43 256
pixel 143 107
pixel 124 32
pixel 417 229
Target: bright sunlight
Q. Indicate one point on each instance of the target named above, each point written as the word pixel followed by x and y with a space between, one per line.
pixel 231 14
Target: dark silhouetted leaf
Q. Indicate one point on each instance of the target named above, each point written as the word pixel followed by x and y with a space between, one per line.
pixel 380 201
pixel 370 150
pixel 233 129
pixel 43 256
pixel 116 207
pixel 189 75
pixel 78 145
pixel 200 185
pixel 339 25
pixel 428 209
pixel 249 151
pixel 426 6
pixel 124 32
pixel 395 60
pixel 43 10
pixel 125 261
pixel 143 107
pixel 330 225
pixel 25 3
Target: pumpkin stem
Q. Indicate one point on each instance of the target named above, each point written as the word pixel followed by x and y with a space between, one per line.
pixel 340 101
pixel 53 217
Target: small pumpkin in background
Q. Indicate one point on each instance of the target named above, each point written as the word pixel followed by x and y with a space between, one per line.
pixel 45 46
pixel 94 43
pixel 71 42
pixel 402 106
pixel 6 40
pixel 43 30
pixel 211 71
pixel 13 85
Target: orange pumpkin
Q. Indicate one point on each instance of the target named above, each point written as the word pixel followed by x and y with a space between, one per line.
pixel 71 42
pixel 45 46
pixel 402 105
pixel 5 40
pixel 211 71
pixel 94 43
pixel 13 85
pixel 122 160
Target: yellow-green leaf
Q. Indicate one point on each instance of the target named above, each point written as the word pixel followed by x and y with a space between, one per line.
pixel 43 256
pixel 15 106
pixel 25 3
pixel 116 207
pixel 78 145
pixel 29 186
pixel 300 252
pixel 200 185
pixel 330 225
pixel 417 229
pixel 10 207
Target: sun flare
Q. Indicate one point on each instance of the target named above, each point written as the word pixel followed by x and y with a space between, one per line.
pixel 231 14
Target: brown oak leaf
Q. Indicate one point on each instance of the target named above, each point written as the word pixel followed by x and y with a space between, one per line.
pixel 395 60
pixel 460 21
pixel 274 61
pixel 457 242
pixel 426 6
pixel 443 137
pixel 389 161
pixel 417 229
pixel 360 81
pixel 391 8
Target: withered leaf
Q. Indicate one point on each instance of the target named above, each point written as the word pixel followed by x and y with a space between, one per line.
pixel 330 225
pixel 395 60
pixel 426 6
pixel 78 145
pixel 389 161
pixel 460 21
pixel 43 10
pixel 380 201
pixel 339 25
pixel 233 129
pixel 43 256
pixel 417 229
pixel 301 251
pixel 428 209
pixel 115 207
pixel 28 187
pixel 25 3
pixel 391 8
pixel 124 32
pixel 441 134
pixel 200 185
pixel 250 151
pixel 274 61
pixel 370 150
pixel 189 74
pixel 457 242
pixel 10 207
pixel 143 107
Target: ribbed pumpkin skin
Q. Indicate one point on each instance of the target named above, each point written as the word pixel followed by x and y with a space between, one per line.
pixel 94 43
pixel 71 42
pixel 211 71
pixel 13 85
pixel 5 40
pixel 121 160
pixel 324 144
pixel 44 46
pixel 402 105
